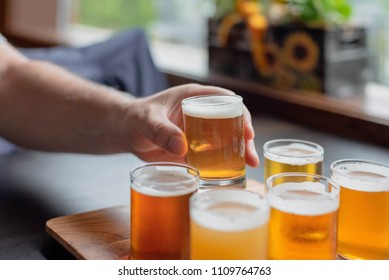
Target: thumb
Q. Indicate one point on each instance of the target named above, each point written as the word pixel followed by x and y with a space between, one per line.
pixel 166 135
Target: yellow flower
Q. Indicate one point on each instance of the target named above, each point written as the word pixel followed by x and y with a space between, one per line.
pixel 301 52
pixel 248 8
pixel 257 24
pixel 273 57
pixel 226 26
pixel 267 62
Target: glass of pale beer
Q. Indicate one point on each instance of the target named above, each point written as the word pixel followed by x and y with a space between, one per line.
pixel 364 208
pixel 303 216
pixel 213 127
pixel 228 224
pixel 160 194
pixel 292 155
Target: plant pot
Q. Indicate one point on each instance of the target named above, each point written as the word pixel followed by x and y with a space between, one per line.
pixel 322 61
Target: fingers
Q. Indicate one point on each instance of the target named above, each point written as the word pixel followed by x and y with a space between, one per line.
pixel 175 145
pixel 160 131
pixel 163 129
pixel 248 126
pixel 252 158
pixel 168 137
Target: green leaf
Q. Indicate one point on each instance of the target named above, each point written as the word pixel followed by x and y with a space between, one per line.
pixel 328 12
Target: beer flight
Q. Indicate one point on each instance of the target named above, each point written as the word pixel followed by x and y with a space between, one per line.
pixel 202 210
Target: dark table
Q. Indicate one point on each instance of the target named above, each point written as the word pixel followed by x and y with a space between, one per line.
pixel 37 186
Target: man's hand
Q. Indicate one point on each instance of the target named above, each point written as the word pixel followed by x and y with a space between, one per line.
pixel 157 125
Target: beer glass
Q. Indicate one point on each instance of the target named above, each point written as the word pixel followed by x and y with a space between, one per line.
pixel 160 195
pixel 303 216
pixel 228 224
pixel 364 208
pixel 214 131
pixel 292 155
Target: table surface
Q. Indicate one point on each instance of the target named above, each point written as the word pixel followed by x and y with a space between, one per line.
pixel 37 186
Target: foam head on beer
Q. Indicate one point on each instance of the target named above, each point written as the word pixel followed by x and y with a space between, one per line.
pixel 305 198
pixel 164 183
pixel 231 212
pixel 214 107
pixel 364 176
pixel 295 154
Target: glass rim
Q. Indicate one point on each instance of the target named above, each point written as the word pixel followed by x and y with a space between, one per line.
pixel 335 170
pixel 221 190
pixel 202 211
pixel 319 148
pixel 236 99
pixel 195 174
pixel 334 184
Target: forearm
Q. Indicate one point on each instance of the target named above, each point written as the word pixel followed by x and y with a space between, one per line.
pixel 47 108
pixel 60 112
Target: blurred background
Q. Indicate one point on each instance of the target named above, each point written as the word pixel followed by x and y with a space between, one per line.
pixel 80 22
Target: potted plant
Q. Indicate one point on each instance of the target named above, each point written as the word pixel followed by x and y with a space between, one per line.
pixel 301 44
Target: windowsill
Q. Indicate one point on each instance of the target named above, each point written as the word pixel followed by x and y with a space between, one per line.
pixel 178 58
pixel 82 35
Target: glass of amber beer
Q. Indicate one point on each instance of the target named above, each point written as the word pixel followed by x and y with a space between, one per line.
pixel 228 224
pixel 303 216
pixel 364 208
pixel 213 127
pixel 292 155
pixel 160 195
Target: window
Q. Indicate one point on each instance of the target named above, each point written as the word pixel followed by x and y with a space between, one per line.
pixel 175 27
pixel 170 20
pixel 374 15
